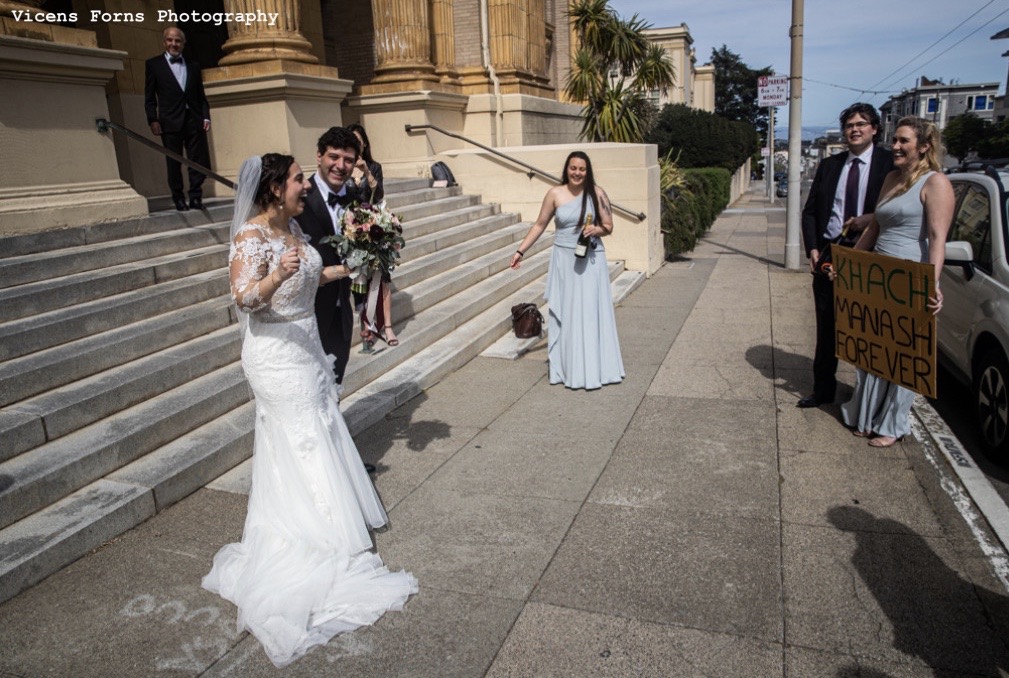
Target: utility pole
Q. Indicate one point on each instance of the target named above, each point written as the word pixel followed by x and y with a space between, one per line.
pixel 792 212
pixel 769 164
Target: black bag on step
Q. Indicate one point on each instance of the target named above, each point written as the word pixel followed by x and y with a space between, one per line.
pixel 527 321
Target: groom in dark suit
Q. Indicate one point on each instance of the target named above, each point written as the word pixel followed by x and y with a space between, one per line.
pixel 178 111
pixel 337 152
pixel 841 200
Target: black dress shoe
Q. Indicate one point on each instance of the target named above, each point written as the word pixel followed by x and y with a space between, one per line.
pixel 196 203
pixel 370 468
pixel 180 204
pixel 811 401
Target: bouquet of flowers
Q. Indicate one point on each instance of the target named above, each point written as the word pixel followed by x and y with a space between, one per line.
pixel 369 242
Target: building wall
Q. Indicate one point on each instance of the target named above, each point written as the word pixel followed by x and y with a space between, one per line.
pixel 348 38
pixel 694 85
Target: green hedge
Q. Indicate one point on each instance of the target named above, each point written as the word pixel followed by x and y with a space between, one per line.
pixel 692 211
pixel 702 139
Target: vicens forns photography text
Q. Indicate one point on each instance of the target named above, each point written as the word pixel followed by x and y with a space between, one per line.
pixel 162 16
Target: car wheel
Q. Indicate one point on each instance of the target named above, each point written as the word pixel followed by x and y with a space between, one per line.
pixel 991 394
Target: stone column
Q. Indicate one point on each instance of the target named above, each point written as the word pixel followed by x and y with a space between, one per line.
pixel 518 45
pixel 270 93
pixel 443 36
pixel 262 42
pixel 402 46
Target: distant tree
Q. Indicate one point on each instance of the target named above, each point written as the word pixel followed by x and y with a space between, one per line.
pixel 612 71
pixel 964 134
pixel 736 89
pixel 996 142
pixel 701 139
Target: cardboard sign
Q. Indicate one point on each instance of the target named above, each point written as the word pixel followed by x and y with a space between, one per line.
pixel 882 323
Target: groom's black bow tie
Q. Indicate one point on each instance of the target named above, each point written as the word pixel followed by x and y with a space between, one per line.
pixel 341 200
pixel 175 59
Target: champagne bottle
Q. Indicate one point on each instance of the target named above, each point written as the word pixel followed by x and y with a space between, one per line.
pixel 582 247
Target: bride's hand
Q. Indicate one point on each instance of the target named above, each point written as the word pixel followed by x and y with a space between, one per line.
pixel 289 264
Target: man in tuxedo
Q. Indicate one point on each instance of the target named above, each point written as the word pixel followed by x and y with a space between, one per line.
pixel 337 152
pixel 336 155
pixel 178 112
pixel 841 200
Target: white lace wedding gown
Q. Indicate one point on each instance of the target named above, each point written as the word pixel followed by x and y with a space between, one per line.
pixel 304 570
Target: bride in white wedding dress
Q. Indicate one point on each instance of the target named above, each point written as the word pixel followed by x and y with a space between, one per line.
pixel 305 569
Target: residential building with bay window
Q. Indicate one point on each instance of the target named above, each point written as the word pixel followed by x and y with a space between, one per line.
pixel 940 102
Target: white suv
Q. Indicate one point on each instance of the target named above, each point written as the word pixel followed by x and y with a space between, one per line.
pixel 973 328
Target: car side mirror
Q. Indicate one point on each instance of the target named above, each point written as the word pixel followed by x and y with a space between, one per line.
pixel 960 253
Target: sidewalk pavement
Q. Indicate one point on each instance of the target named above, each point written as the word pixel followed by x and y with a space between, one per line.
pixel 690 521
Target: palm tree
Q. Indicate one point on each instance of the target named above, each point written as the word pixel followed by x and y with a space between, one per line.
pixel 613 70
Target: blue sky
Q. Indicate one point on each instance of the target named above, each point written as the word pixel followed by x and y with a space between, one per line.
pixel 855 43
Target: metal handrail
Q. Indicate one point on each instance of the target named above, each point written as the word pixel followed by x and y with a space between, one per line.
pixel 640 216
pixel 104 126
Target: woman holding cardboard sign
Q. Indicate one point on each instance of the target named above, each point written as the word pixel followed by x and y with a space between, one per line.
pixel 911 222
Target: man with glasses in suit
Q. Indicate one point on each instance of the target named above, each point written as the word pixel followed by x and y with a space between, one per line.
pixel 839 207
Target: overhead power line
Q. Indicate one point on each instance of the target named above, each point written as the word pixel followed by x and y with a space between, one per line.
pixel 948 33
pixel 853 89
pixel 963 38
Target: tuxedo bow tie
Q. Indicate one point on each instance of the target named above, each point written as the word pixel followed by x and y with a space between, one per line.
pixel 175 60
pixel 341 200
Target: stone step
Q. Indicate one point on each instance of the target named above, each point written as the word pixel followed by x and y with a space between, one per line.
pixel 57 263
pixel 394 185
pixel 461 244
pixel 46 295
pixel 67 260
pixel 27 335
pixel 183 466
pixel 35 373
pixel 51 471
pixel 419 210
pixel 45 542
pixel 413 198
pixel 443 239
pixel 414 228
pixel 74 406
pixel 159 222
pixel 435 289
pixel 78 236
pixel 510 347
pixel 420 268
pixel 454 303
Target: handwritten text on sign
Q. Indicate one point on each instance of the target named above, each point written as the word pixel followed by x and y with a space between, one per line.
pixel 882 323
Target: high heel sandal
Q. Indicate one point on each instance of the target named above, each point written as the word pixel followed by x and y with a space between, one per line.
pixel 884 441
pixel 384 336
pixel 861 434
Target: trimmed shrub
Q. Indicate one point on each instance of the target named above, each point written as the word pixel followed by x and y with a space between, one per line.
pixel 691 212
pixel 701 139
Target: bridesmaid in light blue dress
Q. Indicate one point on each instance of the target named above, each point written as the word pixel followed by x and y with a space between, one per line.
pixel 911 221
pixel 582 345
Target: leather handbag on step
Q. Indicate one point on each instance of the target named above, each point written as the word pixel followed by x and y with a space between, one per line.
pixel 527 321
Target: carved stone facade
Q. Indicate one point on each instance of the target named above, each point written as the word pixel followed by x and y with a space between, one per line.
pixel 489 69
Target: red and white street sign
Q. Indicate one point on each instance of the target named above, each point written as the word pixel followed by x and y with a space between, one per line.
pixel 772 90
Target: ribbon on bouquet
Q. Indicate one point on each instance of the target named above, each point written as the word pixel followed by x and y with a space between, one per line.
pixel 362 283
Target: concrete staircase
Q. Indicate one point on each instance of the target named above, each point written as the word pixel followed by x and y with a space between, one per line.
pixel 121 390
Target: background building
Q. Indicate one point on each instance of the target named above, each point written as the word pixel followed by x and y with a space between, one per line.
pixel 490 70
pixel 695 85
pixel 939 102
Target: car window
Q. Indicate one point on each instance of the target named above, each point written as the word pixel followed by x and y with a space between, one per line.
pixel 973 222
